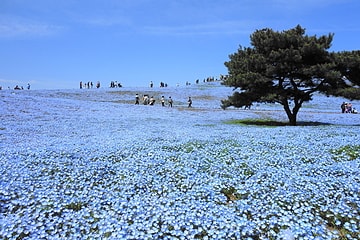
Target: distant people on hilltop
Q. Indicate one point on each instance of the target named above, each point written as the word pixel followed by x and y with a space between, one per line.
pixel 162 84
pixel 88 85
pixel 115 84
pixel 211 79
pixel 17 87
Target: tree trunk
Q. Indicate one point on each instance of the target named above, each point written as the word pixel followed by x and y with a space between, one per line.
pixel 291 114
pixel 292 119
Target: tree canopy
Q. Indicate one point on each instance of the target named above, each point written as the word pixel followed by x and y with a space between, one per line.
pixel 290 66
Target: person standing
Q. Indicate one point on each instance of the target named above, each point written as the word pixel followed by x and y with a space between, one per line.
pixel 189 102
pixel 162 101
pixel 343 107
pixel 146 99
pixel 348 108
pixel 152 101
pixel 170 102
pixel 137 98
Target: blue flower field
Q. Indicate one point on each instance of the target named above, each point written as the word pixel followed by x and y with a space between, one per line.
pixel 90 164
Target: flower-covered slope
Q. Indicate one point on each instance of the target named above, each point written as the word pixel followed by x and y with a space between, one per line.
pixel 89 164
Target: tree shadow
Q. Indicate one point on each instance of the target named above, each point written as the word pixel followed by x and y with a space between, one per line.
pixel 273 123
pixel 313 124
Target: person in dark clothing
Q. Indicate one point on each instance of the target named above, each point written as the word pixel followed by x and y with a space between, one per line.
pixel 343 107
pixel 137 98
pixel 170 102
pixel 189 102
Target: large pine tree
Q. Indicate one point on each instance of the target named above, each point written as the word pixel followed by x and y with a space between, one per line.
pixel 290 66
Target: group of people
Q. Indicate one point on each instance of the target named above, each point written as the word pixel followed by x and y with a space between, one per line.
pixel 89 85
pixel 146 100
pixel 347 108
pixel 17 87
pixel 115 84
pixel 162 84
pixel 197 81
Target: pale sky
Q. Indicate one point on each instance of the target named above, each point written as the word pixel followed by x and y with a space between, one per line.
pixel 56 44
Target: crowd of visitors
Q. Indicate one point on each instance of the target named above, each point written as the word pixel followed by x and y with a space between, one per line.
pixel 146 100
pixel 116 84
pixel 347 108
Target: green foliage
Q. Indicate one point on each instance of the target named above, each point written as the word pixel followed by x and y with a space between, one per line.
pixel 76 206
pixel 348 64
pixel 230 193
pixel 335 221
pixel 346 153
pixel 290 66
pixel 349 93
